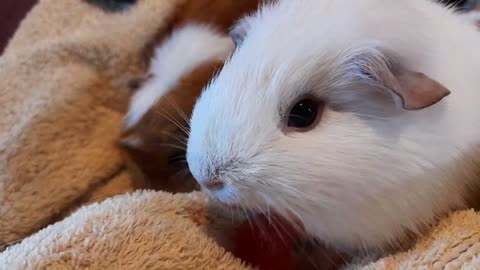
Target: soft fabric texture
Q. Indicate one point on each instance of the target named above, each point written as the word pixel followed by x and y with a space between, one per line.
pixel 63 96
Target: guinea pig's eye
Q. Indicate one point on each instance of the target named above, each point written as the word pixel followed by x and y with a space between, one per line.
pixel 177 160
pixel 305 113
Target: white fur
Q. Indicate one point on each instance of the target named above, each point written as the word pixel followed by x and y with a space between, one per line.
pixel 186 49
pixel 357 181
pixel 472 17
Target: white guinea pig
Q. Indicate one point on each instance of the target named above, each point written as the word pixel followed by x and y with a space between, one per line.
pixel 360 118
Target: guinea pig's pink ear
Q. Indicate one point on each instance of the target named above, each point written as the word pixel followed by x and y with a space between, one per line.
pixel 415 90
pixel 240 31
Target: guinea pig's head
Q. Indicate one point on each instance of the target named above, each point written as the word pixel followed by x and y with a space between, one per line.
pixel 157 123
pixel 318 116
pixel 156 143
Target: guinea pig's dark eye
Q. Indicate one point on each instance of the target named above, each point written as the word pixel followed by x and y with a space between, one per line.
pixel 304 113
pixel 177 160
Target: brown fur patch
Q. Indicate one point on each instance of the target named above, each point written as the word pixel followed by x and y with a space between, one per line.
pixel 220 14
pixel 163 139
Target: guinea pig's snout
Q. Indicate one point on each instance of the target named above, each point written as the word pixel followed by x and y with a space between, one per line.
pixel 213 184
pixel 205 178
pixel 206 171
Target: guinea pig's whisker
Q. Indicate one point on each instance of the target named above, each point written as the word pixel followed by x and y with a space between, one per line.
pixel 247 215
pixel 175 121
pixel 247 212
pixel 182 173
pixel 174 136
pixel 172 119
pixel 179 163
pixel 182 161
pixel 292 237
pixel 165 114
pixel 365 249
pixel 295 192
pixel 171 146
pixel 284 184
pixel 341 256
pixel 180 112
pixel 277 226
pixel 281 231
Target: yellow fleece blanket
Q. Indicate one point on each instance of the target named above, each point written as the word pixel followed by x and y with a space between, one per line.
pixel 63 96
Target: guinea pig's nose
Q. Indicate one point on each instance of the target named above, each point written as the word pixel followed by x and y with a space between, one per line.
pixel 214 185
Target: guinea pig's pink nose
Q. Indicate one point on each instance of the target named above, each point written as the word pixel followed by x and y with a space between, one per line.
pixel 214 185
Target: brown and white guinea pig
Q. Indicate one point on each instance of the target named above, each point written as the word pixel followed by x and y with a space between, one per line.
pixel 182 61
pixel 351 116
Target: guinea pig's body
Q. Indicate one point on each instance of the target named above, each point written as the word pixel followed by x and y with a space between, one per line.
pixel 182 60
pixel 356 118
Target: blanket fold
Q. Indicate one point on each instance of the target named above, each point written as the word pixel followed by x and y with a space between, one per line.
pixel 143 230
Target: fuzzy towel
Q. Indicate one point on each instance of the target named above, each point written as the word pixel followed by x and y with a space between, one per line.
pixel 63 96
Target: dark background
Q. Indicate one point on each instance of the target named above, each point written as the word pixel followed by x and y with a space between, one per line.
pixel 11 13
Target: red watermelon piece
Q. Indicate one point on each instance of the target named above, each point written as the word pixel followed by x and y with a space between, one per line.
pixel 266 245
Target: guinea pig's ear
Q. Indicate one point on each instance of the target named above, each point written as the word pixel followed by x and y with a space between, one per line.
pixel 415 90
pixel 240 31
